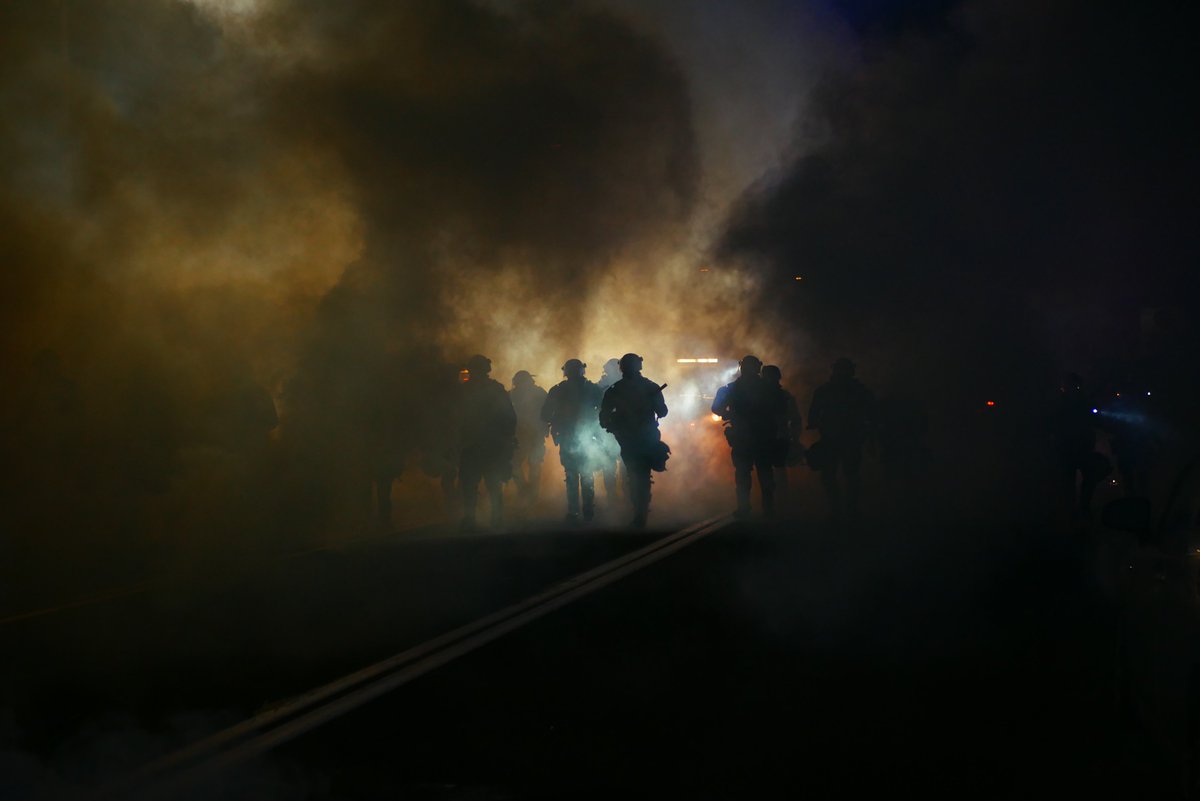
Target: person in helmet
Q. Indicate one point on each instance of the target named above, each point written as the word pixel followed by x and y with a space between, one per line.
pixel 749 409
pixel 527 399
pixel 843 412
pixel 570 410
pixel 611 469
pixel 630 411
pixel 487 428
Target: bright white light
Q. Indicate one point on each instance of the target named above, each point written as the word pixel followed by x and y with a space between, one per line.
pixel 697 361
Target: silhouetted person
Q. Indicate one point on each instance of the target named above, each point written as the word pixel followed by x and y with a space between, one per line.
pixel 630 411
pixel 611 450
pixel 749 408
pixel 786 448
pixel 571 410
pixel 843 411
pixel 527 400
pixel 1073 428
pixel 487 427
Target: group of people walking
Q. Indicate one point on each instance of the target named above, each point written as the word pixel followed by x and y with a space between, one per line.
pixel 763 428
pixel 611 427
pixel 503 435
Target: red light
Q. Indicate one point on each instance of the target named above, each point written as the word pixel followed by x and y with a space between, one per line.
pixel 991 403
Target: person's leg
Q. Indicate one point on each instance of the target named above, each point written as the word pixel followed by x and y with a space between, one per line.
pixel 468 485
pixel 587 486
pixel 743 463
pixel 572 481
pixel 518 471
pixel 639 481
pixel 535 479
pixel 495 487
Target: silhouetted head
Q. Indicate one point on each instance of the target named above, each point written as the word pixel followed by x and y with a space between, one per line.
pixel 751 365
pixel 479 366
pixel 772 374
pixel 612 367
pixel 573 368
pixel 522 378
pixel 843 369
pixel 630 364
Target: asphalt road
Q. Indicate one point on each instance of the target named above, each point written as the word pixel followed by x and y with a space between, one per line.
pixel 786 661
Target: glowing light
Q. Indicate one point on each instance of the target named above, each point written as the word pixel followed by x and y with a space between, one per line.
pixel 799 277
pixel 716 418
pixel 991 403
pixel 464 375
pixel 704 269
pixel 697 361
pixel 1147 394
pixel 1095 410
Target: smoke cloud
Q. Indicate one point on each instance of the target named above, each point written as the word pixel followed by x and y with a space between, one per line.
pixel 246 240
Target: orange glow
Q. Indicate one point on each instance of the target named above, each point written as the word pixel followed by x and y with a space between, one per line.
pixel 464 375
pixel 799 277
pixel 716 418
pixel 991 403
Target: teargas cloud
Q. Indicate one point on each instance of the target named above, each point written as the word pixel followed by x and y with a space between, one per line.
pixel 236 231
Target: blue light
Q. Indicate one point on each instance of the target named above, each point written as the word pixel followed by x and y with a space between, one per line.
pixel 1095 411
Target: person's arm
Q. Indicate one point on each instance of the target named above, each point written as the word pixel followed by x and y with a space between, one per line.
pixel 795 422
pixel 605 414
pixel 720 402
pixel 506 415
pixel 660 404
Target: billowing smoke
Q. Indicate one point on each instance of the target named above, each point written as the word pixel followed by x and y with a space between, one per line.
pixel 989 194
pixel 249 244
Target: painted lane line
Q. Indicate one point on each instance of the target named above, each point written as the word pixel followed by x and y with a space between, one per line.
pixel 306 712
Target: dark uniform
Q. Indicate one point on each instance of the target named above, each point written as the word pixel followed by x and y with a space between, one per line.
pixel 487 428
pixel 571 410
pixel 843 411
pixel 750 406
pixel 786 449
pixel 527 400
pixel 630 411
pixel 611 450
